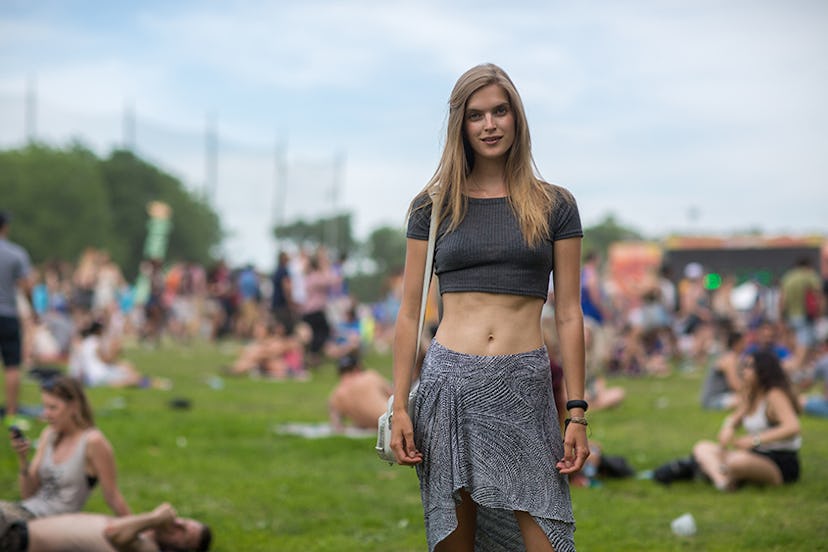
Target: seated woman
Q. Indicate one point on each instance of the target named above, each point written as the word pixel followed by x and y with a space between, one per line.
pixel 271 353
pixel 720 390
pixel 72 458
pixel 96 366
pixel 768 412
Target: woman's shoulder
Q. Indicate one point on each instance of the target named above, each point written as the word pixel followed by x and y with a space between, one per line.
pixel 96 438
pixel 776 395
pixel 421 200
pixel 558 192
pixel 47 434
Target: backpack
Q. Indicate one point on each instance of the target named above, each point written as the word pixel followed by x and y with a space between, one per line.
pixel 812 307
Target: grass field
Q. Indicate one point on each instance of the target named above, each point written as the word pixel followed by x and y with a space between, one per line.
pixel 223 462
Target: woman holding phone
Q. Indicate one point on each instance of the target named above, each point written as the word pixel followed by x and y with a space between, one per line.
pixel 74 457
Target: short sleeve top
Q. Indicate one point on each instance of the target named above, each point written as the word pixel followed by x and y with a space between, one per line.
pixel 487 252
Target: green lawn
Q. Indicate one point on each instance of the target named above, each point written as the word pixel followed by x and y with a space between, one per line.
pixel 223 462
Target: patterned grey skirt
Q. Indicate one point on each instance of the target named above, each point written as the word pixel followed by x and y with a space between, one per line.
pixel 488 425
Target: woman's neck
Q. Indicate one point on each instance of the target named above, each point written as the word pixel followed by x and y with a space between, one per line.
pixel 66 433
pixel 487 180
pixel 69 431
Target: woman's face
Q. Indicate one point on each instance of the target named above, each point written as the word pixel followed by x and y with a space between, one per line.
pixel 58 413
pixel 748 372
pixel 489 123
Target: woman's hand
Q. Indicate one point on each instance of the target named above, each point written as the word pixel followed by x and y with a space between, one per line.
pixel 726 435
pixel 21 447
pixel 402 439
pixel 576 449
pixel 744 443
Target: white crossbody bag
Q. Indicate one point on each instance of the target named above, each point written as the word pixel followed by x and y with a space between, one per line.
pixel 383 447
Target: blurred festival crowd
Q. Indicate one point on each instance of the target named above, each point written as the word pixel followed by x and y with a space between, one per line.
pixel 302 314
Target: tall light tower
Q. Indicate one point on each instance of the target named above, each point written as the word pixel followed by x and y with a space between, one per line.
pixel 280 185
pixel 31 109
pixel 128 128
pixel 211 158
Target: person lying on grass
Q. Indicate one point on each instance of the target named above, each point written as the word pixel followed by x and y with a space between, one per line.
pixel 156 531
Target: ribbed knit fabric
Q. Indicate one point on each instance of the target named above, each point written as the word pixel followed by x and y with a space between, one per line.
pixel 488 424
pixel 487 251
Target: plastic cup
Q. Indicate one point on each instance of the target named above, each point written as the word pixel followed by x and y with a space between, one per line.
pixel 684 525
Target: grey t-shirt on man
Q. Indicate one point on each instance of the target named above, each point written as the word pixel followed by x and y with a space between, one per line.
pixel 14 266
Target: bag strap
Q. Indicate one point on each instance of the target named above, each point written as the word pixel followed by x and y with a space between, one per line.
pixel 429 265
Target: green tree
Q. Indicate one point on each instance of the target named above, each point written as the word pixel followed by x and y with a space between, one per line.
pixel 386 247
pixel 333 232
pixel 600 236
pixel 132 183
pixel 58 200
pixel 65 200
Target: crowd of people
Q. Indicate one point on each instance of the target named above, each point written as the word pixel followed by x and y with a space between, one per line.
pixel 80 316
pixel 762 350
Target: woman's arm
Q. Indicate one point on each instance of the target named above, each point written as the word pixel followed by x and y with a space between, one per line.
pixel 405 341
pixel 569 322
pixel 783 413
pixel 731 422
pixel 29 479
pixel 102 458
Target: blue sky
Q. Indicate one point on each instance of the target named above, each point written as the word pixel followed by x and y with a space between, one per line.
pixel 648 110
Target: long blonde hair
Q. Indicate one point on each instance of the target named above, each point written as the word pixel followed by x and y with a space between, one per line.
pixel 531 199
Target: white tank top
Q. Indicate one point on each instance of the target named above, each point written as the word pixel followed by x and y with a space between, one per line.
pixel 757 421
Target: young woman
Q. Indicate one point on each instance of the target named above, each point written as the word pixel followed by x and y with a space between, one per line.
pixel 485 436
pixel 73 457
pixel 768 453
pixel 96 366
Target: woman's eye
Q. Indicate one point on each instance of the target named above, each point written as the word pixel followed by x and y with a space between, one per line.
pixel 474 116
pixel 502 110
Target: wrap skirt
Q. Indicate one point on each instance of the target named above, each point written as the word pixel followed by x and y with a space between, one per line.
pixel 488 425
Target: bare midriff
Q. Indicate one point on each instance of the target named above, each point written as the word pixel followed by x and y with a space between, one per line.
pixel 488 324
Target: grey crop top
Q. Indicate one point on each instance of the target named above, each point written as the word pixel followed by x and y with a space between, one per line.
pixel 487 252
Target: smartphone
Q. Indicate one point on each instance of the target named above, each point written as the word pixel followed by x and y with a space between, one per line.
pixel 16 432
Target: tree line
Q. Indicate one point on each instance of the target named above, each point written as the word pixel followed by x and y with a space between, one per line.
pixel 68 199
pixel 64 200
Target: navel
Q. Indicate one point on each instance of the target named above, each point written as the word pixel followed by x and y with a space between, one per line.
pixel 491 338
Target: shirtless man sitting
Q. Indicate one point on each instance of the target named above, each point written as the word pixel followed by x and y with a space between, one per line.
pixel 361 396
pixel 156 531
